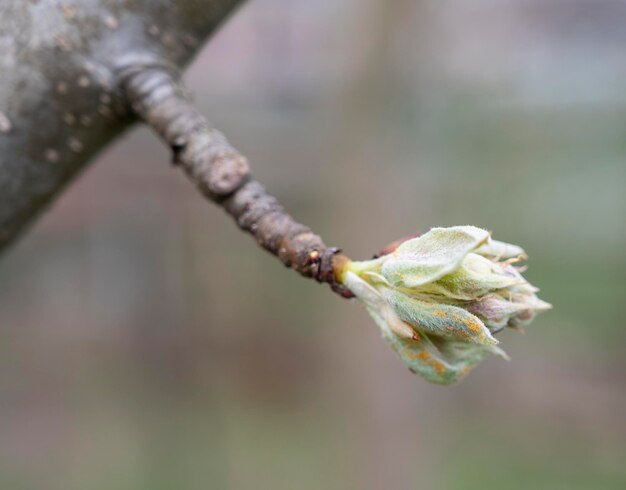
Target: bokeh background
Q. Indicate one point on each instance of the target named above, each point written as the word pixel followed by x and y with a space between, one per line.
pixel 146 343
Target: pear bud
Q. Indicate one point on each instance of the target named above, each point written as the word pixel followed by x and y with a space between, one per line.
pixel 439 298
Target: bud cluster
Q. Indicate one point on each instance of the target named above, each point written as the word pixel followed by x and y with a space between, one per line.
pixel 439 298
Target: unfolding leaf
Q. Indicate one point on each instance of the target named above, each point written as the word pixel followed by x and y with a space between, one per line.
pixel 500 250
pixel 475 277
pixel 427 258
pixel 439 319
pixel 445 362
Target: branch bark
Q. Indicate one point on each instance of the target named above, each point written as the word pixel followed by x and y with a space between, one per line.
pixel 60 100
pixel 222 174
pixel 75 75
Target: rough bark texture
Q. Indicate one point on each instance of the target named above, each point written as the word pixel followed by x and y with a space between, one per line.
pixel 76 74
pixel 60 100
pixel 223 175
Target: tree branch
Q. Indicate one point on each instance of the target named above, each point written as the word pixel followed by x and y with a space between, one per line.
pixel 223 175
pixel 60 102
pixel 76 74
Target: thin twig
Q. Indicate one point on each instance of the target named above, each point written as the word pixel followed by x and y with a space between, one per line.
pixel 223 175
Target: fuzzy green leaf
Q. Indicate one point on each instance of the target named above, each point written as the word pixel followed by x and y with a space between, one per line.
pixel 427 258
pixel 475 277
pixel 501 250
pixel 444 362
pixel 439 319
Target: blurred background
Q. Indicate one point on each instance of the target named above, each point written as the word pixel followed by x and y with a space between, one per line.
pixel 146 343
